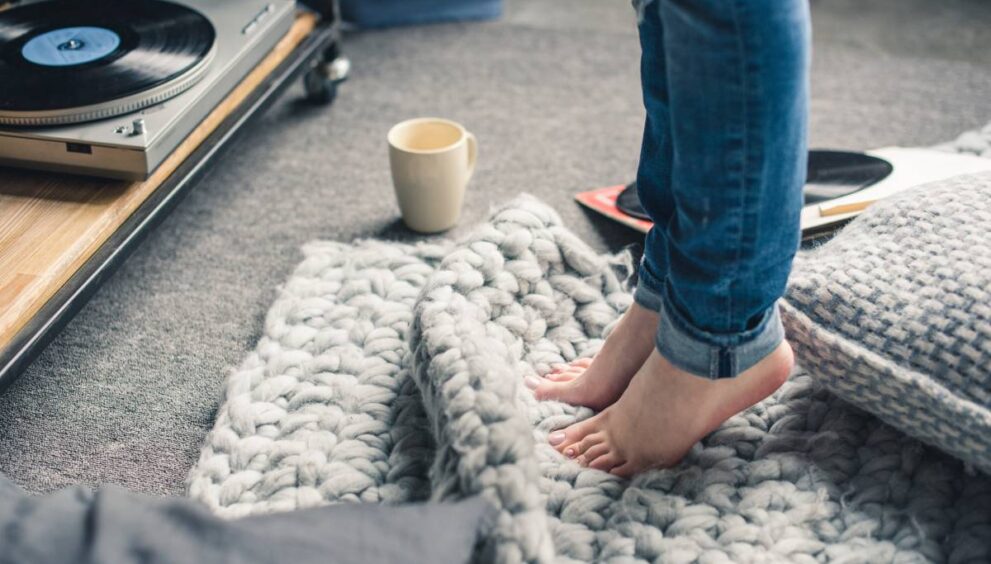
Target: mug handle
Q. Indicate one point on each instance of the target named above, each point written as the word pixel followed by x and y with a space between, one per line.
pixel 472 152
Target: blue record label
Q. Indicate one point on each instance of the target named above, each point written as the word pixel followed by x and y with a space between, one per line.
pixel 69 46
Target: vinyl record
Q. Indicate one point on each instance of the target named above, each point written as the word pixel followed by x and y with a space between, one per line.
pixel 628 202
pixel 834 174
pixel 830 174
pixel 78 60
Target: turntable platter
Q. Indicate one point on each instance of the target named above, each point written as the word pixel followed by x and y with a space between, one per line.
pixel 68 61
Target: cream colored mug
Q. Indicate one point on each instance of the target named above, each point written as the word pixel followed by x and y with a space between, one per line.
pixel 432 160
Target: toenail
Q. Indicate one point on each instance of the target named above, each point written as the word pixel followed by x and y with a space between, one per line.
pixel 556 438
pixel 569 452
pixel 532 382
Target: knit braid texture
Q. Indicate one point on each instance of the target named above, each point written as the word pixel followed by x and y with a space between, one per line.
pixel 390 373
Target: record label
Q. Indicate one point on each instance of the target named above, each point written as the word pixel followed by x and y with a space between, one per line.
pixel 70 46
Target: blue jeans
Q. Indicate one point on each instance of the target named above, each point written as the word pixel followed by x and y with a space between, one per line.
pixel 725 85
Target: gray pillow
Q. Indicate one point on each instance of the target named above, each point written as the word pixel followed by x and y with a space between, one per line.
pixel 78 525
pixel 894 314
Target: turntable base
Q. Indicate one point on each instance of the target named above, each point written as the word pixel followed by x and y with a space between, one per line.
pixel 61 235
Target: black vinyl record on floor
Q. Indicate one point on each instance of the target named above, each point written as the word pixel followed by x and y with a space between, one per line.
pixel 831 174
pixel 63 54
pixel 628 202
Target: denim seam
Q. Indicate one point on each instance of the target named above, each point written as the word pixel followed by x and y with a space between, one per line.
pixel 650 284
pixel 755 91
pixel 741 61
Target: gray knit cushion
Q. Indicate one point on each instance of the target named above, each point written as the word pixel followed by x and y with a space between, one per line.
pixel 894 314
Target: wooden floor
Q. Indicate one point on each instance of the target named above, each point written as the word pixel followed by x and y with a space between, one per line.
pixel 50 224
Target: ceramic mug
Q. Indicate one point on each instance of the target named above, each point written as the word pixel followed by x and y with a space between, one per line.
pixel 432 160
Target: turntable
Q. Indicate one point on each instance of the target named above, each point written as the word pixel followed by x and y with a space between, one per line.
pixel 111 90
pixel 134 99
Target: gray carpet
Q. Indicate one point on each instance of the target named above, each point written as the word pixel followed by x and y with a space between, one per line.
pixel 127 392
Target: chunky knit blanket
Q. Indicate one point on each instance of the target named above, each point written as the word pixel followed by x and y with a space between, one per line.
pixel 390 373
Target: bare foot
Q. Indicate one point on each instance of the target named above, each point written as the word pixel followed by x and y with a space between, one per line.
pixel 599 382
pixel 665 411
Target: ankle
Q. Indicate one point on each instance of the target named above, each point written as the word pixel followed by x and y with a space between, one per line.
pixel 782 363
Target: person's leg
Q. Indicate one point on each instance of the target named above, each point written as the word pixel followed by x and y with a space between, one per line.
pixel 737 79
pixel 600 382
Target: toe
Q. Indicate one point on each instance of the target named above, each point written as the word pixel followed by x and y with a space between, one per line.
pixel 625 470
pixel 579 448
pixel 567 438
pixel 549 390
pixel 588 442
pixel 593 453
pixel 564 376
pixel 606 462
pixel 568 391
pixel 580 365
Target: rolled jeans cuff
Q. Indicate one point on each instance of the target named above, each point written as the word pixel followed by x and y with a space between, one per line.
pixel 709 355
